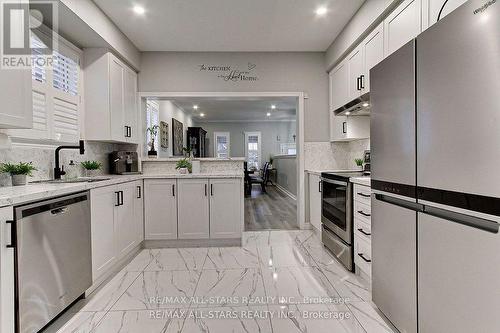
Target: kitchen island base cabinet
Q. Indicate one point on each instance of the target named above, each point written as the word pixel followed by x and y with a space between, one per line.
pixel 160 213
pixel 225 208
pixel 193 209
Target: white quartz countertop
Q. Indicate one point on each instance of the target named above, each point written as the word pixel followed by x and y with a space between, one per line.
pixel 17 195
pixel 361 180
pixel 318 172
pixel 204 159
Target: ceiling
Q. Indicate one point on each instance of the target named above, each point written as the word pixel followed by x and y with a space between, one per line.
pixel 238 109
pixel 230 25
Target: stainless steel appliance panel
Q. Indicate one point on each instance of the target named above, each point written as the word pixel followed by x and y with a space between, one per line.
pixel 342 251
pixel 394 251
pixel 458 275
pixel 53 258
pixel 392 119
pixel 458 85
pixel 336 208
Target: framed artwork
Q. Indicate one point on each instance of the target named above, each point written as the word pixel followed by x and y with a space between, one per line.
pixel 177 137
pixel 163 134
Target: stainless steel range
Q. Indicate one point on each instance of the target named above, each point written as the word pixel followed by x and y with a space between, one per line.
pixel 337 215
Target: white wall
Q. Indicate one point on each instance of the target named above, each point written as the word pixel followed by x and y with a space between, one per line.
pixel 275 71
pixel 270 130
pixel 169 110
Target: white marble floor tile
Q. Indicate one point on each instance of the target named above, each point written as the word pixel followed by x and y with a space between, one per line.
pixel 256 238
pixel 103 298
pixel 142 260
pixel 289 236
pixel 370 318
pixel 317 318
pixel 229 319
pixel 81 322
pixel 159 289
pixel 284 255
pixel 229 287
pixel 232 257
pixel 145 321
pixel 178 259
pixel 297 284
pixel 347 284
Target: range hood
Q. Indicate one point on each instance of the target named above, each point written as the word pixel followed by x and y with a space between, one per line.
pixel 358 107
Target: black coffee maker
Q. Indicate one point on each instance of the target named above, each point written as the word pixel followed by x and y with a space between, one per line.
pixel 123 163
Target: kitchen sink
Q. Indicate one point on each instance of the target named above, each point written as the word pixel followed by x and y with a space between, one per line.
pixel 70 181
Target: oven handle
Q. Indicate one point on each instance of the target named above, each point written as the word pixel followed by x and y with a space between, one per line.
pixel 333 182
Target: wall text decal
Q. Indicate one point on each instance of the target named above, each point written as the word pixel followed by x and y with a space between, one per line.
pixel 231 73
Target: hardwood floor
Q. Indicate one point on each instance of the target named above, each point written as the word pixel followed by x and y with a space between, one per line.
pixel 271 210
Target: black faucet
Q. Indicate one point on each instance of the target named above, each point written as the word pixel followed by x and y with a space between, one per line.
pixel 57 170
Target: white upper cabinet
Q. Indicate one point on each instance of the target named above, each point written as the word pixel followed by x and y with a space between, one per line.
pixel 15 95
pixel 431 10
pixel 110 98
pixel 373 52
pixel 356 66
pixel 339 86
pixel 226 219
pixel 403 24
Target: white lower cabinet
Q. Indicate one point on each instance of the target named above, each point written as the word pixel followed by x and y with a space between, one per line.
pixel 225 208
pixel 160 209
pixel 362 229
pixel 193 209
pixel 7 314
pixel 116 221
pixel 315 201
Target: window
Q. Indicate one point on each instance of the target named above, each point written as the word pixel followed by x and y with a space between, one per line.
pixel 55 93
pixel 253 149
pixel 152 119
pixel 288 149
pixel 221 144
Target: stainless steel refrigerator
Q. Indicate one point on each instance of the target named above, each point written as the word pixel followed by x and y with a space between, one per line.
pixel 435 149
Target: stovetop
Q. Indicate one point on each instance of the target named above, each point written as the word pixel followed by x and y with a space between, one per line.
pixel 344 175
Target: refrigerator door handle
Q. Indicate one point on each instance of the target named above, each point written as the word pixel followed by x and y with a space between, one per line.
pixel 400 202
pixel 467 220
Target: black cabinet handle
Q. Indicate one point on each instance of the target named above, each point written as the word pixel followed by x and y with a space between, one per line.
pixel 364 195
pixel 362 81
pixel 13 234
pixel 358 84
pixel 173 190
pixel 139 192
pixel 363 257
pixel 212 190
pixel 364 214
pixel 344 127
pixel 121 198
pixel 364 232
pixel 117 198
pixel 319 186
pixel 130 131
pixel 206 189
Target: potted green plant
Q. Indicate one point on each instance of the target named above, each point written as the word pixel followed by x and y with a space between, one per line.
pixel 91 167
pixel 184 166
pixel 153 132
pixel 359 163
pixel 188 152
pixel 18 171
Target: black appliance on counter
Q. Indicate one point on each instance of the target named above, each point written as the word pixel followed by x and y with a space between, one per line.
pixel 196 137
pixel 124 163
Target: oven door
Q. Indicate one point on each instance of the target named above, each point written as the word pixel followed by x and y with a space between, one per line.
pixel 336 208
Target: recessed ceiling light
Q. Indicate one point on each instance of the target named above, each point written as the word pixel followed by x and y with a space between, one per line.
pixel 195 107
pixel 273 107
pixel 366 104
pixel 347 113
pixel 268 114
pixel 202 115
pixel 139 10
pixel 320 11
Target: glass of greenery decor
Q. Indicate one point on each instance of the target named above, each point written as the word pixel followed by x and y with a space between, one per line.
pixel 91 168
pixel 18 172
pixel 184 166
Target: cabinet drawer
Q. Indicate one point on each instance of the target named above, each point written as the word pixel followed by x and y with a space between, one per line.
pixel 362 212
pixel 362 230
pixel 363 256
pixel 362 194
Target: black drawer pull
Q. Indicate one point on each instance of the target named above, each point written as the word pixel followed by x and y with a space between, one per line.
pixel 117 199
pixel 364 214
pixel 363 257
pixel 364 232
pixel 13 234
pixel 139 192
pixel 173 190
pixel 364 195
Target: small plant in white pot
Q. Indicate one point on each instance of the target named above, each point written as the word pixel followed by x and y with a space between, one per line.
pixel 359 163
pixel 91 168
pixel 19 172
pixel 184 166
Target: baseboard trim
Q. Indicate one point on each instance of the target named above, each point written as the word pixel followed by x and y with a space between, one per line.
pixel 285 191
pixel 169 243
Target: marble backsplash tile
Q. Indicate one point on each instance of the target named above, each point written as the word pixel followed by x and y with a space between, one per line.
pixel 211 167
pixel 334 156
pixel 43 158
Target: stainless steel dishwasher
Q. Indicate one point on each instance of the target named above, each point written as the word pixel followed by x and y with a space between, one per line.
pixel 53 258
